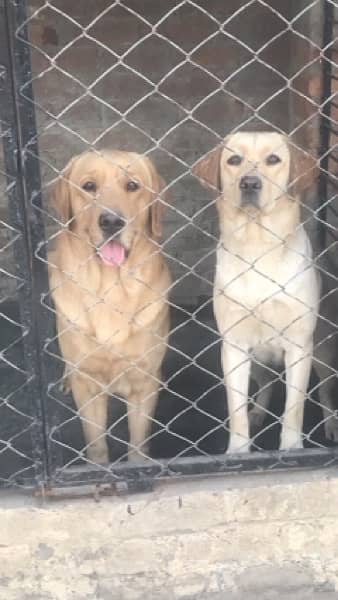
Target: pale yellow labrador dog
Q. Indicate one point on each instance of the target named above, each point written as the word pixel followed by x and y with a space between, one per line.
pixel 109 283
pixel 266 290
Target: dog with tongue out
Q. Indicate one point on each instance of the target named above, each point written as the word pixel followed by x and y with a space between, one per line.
pixel 112 252
pixel 109 284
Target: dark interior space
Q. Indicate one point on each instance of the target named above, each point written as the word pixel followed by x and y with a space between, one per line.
pixel 191 416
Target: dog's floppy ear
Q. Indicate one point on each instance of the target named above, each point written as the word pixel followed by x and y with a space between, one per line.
pixel 208 168
pixel 160 201
pixel 303 170
pixel 61 194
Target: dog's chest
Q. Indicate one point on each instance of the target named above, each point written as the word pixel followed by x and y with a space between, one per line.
pixel 259 301
pixel 251 284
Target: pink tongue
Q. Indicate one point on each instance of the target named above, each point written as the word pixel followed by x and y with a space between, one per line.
pixel 113 254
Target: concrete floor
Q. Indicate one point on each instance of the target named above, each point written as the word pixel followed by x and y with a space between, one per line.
pixel 252 536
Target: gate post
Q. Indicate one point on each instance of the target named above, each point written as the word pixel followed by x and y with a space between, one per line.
pixel 19 137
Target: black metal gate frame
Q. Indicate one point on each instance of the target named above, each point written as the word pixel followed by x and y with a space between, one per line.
pixel 20 142
pixel 22 167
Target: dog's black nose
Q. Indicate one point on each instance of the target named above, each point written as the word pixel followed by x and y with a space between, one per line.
pixel 250 183
pixel 110 223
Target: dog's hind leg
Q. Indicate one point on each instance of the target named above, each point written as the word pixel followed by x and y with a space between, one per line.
pixel 264 379
pixel 326 392
pixel 141 405
pixel 326 348
pixel 92 404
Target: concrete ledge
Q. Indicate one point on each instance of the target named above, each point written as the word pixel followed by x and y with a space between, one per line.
pixel 259 536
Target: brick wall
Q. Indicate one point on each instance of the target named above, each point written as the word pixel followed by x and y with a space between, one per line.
pixel 183 119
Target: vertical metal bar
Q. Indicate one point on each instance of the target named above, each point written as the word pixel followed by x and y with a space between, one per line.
pixel 325 118
pixel 22 165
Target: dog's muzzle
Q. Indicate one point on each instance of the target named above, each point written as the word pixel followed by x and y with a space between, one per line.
pixel 112 251
pixel 111 224
pixel 250 186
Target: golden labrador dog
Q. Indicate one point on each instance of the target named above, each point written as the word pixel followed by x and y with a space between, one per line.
pixel 109 284
pixel 266 289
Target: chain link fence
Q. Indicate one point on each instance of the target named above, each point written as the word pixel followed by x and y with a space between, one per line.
pixel 168 80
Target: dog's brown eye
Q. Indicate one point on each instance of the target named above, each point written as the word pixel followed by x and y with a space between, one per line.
pixel 272 159
pixel 132 186
pixel 235 159
pixel 89 186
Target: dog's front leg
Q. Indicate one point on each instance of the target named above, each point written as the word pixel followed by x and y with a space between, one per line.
pixel 92 405
pixel 298 362
pixel 236 369
pixel 141 407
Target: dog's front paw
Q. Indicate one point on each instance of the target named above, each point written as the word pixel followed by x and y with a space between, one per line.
pixel 98 454
pixel 136 456
pixel 331 428
pixel 238 444
pixel 291 439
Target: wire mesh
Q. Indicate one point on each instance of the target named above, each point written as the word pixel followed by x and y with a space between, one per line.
pixel 22 443
pixel 16 454
pixel 168 81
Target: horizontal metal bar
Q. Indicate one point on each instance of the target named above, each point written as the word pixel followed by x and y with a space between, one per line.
pixel 187 467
